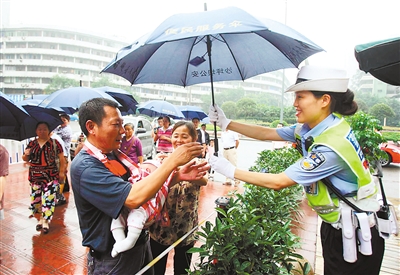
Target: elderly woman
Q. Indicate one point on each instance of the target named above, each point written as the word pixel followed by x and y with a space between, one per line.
pixel 44 175
pixel 131 145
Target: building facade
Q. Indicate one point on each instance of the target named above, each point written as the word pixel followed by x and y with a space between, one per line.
pixel 31 56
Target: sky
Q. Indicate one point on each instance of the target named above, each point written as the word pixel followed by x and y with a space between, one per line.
pixel 336 26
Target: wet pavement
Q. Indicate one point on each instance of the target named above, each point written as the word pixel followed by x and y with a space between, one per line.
pixel 27 251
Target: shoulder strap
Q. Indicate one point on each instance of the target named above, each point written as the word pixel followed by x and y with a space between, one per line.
pixel 308 142
pixel 131 144
pixel 332 188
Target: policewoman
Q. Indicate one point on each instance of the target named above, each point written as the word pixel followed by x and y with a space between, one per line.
pixel 350 240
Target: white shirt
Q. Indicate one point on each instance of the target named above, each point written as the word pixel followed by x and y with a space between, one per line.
pixel 229 139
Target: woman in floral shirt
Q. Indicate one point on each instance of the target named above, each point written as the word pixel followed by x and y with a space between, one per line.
pixel 44 175
pixel 182 206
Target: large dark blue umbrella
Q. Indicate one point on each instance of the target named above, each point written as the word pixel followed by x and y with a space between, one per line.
pixel 49 115
pixel 70 99
pixel 381 59
pixel 15 122
pixel 156 108
pixel 235 45
pixel 126 99
pixel 191 112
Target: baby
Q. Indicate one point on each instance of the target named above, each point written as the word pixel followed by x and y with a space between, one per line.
pixel 136 219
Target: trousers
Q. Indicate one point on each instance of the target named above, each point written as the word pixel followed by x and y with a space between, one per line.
pixel 332 251
pixel 181 258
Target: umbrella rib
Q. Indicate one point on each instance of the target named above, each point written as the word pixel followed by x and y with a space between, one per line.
pixel 195 41
pixel 233 56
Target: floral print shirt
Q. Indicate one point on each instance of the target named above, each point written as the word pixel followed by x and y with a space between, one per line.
pixel 182 205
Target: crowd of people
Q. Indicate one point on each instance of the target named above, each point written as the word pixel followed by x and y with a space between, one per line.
pixel 131 210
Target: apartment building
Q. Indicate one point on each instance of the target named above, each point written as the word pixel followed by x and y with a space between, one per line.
pixel 32 55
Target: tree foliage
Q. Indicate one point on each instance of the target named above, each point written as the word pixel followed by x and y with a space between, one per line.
pixel 60 82
pixel 246 108
pixel 229 109
pixel 252 235
pixel 381 111
pixel 366 130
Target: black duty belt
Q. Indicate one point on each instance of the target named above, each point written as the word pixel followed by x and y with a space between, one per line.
pixel 229 148
pixel 143 238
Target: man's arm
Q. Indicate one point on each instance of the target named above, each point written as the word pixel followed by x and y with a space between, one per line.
pixel 145 189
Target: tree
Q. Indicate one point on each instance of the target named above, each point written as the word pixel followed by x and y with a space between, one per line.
pixel 366 130
pixel 60 82
pixel 362 106
pixel 229 109
pixel 395 105
pixel 104 81
pixel 246 108
pixel 381 111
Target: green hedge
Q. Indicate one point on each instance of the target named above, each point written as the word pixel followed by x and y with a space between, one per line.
pixel 253 235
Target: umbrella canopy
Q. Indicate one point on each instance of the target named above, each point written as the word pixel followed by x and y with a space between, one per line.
pixel 126 99
pixel 381 59
pixel 70 99
pixel 240 46
pixel 15 122
pixel 220 45
pixel 49 115
pixel 191 112
pixel 156 108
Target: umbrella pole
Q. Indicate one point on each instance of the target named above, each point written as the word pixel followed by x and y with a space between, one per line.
pixel 212 93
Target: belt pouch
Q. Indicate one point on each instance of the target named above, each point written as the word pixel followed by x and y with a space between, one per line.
pixel 364 234
pixel 348 236
pixel 383 227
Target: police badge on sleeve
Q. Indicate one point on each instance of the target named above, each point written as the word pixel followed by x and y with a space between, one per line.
pixel 313 161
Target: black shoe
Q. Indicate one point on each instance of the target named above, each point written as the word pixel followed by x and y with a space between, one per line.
pixel 60 199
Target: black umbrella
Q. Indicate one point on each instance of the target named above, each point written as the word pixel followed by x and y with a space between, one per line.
pixel 381 59
pixel 17 123
pixel 126 99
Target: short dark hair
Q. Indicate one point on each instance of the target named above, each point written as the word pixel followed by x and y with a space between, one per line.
pixel 93 110
pixel 189 125
pixel 66 116
pixel 203 125
pixel 129 124
pixel 168 118
pixel 42 122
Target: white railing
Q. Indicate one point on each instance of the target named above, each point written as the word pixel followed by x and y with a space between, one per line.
pixel 15 149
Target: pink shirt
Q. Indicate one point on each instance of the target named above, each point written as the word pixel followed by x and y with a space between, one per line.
pixel 164 145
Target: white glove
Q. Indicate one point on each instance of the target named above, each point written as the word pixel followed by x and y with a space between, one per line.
pixel 217 115
pixel 222 166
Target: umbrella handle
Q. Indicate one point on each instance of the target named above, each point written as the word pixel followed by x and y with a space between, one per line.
pixel 212 93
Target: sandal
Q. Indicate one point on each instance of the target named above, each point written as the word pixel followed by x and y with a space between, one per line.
pixel 45 227
pixel 39 224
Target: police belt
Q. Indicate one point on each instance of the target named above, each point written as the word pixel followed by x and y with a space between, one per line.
pixel 371 220
pixel 143 238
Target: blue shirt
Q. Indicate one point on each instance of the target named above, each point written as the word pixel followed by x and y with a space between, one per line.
pixel 99 198
pixel 332 166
